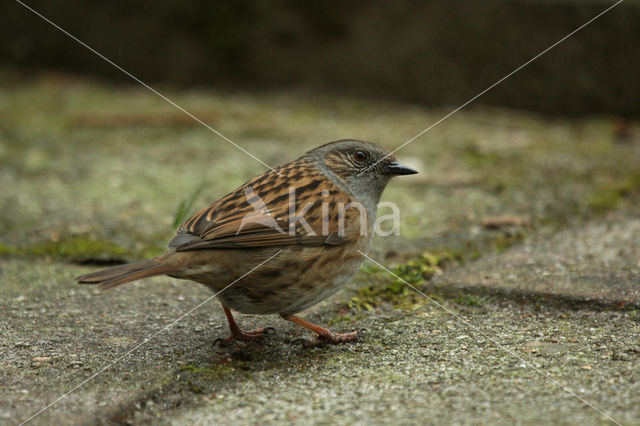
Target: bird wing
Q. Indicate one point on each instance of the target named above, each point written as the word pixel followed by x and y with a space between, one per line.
pixel 256 215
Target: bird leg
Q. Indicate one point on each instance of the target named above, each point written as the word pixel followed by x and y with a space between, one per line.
pixel 238 334
pixel 324 335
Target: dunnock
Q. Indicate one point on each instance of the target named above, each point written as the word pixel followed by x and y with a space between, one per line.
pixel 313 217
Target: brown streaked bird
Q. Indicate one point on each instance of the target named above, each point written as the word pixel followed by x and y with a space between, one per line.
pixel 313 217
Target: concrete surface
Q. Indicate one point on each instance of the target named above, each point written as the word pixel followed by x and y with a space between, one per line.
pixel 525 229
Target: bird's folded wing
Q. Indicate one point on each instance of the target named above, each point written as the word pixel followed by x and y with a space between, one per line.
pixel 245 230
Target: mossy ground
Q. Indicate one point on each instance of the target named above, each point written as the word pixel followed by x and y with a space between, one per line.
pixel 80 249
pixel 92 173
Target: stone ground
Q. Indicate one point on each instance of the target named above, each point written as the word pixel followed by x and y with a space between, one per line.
pixel 522 232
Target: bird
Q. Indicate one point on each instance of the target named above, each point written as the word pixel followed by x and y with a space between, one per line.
pixel 286 239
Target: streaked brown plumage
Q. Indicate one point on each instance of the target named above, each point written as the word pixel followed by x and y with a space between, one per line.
pixel 335 188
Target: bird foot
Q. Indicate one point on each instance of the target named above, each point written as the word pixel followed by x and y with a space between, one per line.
pixel 259 334
pixel 330 338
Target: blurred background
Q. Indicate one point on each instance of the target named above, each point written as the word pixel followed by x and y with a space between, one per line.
pixel 95 166
pixel 430 52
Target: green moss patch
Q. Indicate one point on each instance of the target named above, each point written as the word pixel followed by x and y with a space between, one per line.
pixel 397 292
pixel 80 249
pixel 612 190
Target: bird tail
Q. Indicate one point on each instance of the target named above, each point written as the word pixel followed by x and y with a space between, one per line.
pixel 122 274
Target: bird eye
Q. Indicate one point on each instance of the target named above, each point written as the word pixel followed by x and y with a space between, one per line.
pixel 360 156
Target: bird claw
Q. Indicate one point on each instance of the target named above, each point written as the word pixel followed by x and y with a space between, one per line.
pixel 222 342
pixel 269 330
pixel 260 334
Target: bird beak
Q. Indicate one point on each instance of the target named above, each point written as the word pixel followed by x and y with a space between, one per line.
pixel 395 169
